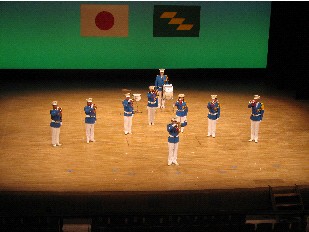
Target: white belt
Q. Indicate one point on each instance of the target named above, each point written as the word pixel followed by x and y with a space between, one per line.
pixel 213 113
pixel 174 136
pixel 151 102
pixel 255 114
pixel 55 121
pixel 127 112
pixel 88 116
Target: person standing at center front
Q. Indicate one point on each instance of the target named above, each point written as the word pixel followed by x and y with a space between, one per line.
pixel 173 141
pixel 90 119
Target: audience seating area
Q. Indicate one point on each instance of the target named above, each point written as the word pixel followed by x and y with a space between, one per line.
pixel 30 224
pixel 162 223
pixel 182 223
pixel 288 212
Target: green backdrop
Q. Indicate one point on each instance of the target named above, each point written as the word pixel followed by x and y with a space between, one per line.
pixel 45 35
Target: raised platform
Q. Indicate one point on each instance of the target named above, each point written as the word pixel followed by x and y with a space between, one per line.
pixel 121 173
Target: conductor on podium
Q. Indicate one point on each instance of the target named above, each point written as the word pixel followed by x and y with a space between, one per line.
pixel 160 81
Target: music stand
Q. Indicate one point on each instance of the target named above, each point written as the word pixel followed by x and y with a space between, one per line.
pixel 137 97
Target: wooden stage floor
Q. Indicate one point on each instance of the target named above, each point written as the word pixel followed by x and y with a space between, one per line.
pixel 138 162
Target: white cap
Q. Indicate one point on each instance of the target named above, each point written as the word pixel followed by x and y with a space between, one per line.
pixel 127 94
pixel 162 70
pixel 213 96
pixel 256 97
pixel 181 95
pixel 89 99
pixel 174 119
pixel 54 103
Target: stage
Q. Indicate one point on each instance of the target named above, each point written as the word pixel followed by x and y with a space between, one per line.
pixel 128 174
pixel 138 162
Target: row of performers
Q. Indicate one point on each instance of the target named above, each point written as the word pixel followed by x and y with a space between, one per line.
pixel 157 100
pixel 181 114
pixel 175 127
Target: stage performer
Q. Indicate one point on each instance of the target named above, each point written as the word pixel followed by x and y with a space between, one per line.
pixel 152 104
pixel 173 141
pixel 181 111
pixel 256 117
pixel 56 122
pixel 160 81
pixel 128 114
pixel 213 115
pixel 90 119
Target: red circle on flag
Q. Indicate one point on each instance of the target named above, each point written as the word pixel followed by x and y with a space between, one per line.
pixel 104 20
